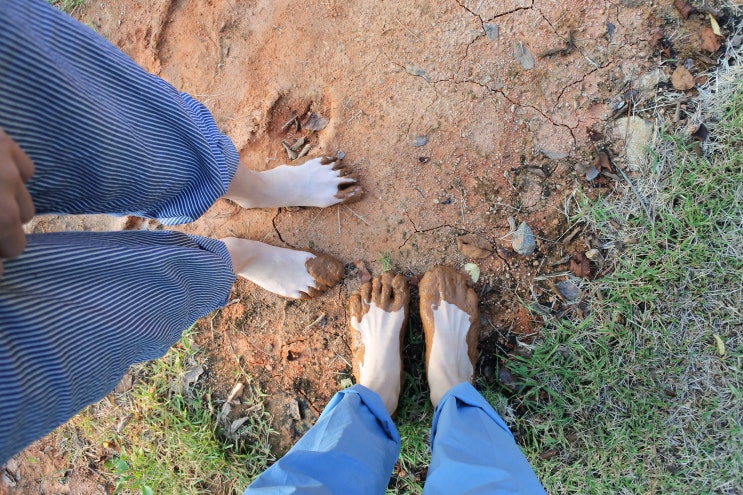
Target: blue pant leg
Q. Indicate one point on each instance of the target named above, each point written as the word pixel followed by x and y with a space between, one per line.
pixel 77 309
pixel 473 451
pixel 105 135
pixel 350 450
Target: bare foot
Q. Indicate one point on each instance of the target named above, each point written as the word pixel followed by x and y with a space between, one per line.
pixel 320 181
pixel 451 323
pixel 379 312
pixel 286 272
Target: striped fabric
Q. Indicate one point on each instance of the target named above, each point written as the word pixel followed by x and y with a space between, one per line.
pixel 106 136
pixel 77 309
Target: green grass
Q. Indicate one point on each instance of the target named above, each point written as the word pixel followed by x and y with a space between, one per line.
pixel 66 6
pixel 386 261
pixel 637 397
pixel 172 442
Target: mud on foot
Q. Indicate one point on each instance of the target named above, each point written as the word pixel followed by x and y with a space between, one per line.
pixel 283 271
pixel 451 323
pixel 378 315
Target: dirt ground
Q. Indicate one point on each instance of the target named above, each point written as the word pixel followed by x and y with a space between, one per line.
pixel 454 115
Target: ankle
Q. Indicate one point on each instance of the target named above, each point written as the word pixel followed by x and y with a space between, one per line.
pixel 389 393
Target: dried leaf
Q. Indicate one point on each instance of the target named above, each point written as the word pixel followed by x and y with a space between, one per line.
pixel 720 345
pixel 701 134
pixel 710 40
pixel 125 384
pixel 507 379
pixel 316 122
pixel 715 25
pixel 183 384
pixel 594 135
pixel 657 38
pixel 601 161
pixel 236 392
pixel 473 270
pixel 593 254
pixel 536 171
pixel 682 78
pixel 569 291
pixel 580 265
pixel 586 169
pixel 549 454
pixel 521 53
pixel 474 247
pixel 237 424
pixel 192 375
pixel 684 8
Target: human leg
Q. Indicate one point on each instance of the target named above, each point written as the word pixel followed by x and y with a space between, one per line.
pixel 472 449
pixel 350 450
pixel 76 312
pixel 105 135
pixel 354 444
pixel 286 272
pixel 319 181
pixel 108 137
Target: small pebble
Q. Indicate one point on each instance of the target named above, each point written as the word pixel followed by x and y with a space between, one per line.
pixel 523 240
pixel 420 141
pixel 491 31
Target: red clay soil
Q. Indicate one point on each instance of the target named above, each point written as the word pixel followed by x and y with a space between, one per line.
pixel 455 115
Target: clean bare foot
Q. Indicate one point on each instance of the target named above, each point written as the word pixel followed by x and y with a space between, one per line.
pixel 379 312
pixel 319 181
pixel 286 272
pixel 451 323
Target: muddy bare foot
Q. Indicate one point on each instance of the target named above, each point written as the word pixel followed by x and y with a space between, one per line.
pixel 320 181
pixel 379 312
pixel 451 323
pixel 286 272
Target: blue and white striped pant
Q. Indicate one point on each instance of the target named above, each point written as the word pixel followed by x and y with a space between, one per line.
pixel 77 309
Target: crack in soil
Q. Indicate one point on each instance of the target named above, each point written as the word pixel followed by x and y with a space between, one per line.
pixel 423 231
pixel 278 232
pixel 527 105
pixel 496 16
pixel 565 88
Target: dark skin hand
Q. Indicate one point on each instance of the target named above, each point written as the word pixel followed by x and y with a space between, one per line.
pixel 16 205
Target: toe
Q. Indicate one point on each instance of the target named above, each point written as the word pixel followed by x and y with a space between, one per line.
pixel 401 294
pixel 356 304
pixel 350 194
pixel 376 291
pixel 326 271
pixel 386 290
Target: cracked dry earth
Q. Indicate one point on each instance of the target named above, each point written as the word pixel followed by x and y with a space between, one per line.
pixel 503 128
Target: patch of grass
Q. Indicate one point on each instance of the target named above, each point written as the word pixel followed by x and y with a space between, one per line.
pixel 385 260
pixel 66 6
pixel 637 397
pixel 171 441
